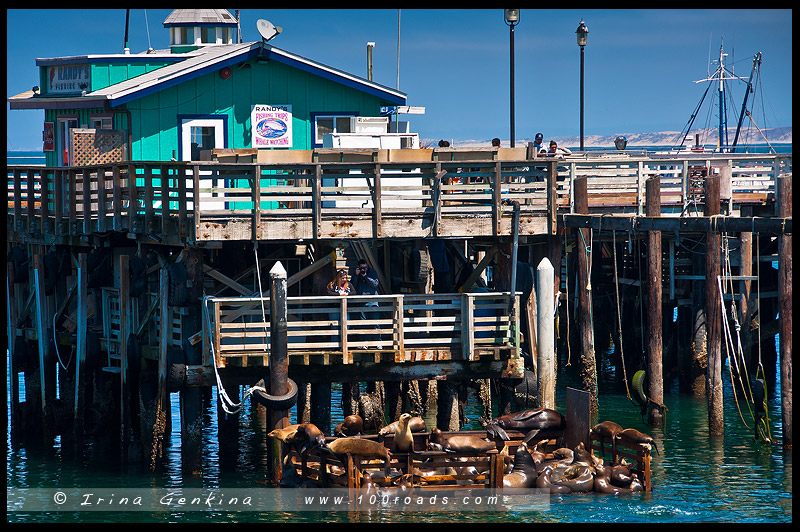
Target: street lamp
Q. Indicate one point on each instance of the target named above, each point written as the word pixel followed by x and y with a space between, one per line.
pixel 583 36
pixel 512 19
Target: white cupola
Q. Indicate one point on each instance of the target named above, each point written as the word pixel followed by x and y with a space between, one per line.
pixel 192 28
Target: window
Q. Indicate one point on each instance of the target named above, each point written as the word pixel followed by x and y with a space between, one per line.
pixel 101 122
pixel 182 36
pixel 208 35
pixel 198 134
pixel 324 124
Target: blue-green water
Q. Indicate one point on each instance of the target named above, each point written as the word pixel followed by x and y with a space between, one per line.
pixel 696 478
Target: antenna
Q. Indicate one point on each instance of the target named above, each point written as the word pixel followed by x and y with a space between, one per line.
pixel 267 29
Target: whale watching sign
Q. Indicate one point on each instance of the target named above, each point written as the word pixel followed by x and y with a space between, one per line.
pixel 271 126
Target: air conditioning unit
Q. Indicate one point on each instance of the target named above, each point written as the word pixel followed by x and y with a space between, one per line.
pixel 369 124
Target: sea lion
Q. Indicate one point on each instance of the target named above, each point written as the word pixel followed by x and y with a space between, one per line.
pixel 361 447
pixel 285 434
pixel 607 429
pixel 460 443
pixel 530 421
pixel 578 477
pixel 633 435
pixel 581 456
pixel 621 475
pixel 602 483
pixel 403 439
pixel 351 426
pixel 543 481
pixel 523 474
pixel 309 436
pixel 416 424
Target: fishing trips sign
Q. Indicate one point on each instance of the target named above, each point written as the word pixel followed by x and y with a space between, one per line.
pixel 64 79
pixel 271 126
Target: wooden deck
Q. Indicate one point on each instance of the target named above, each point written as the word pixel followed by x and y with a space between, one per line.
pixel 206 202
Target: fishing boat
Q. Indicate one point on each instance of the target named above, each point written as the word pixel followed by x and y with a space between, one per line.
pixel 723 144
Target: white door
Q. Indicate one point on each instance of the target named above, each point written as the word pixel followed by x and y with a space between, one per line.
pixel 202 134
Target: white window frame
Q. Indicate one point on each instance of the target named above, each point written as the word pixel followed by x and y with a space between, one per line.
pixel 317 139
pixel 186 134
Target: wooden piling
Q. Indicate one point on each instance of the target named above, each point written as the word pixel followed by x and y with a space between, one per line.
pixel 191 397
pixel 545 335
pixel 713 313
pixel 80 354
pixel 278 361
pixel 653 311
pixel 784 186
pixel 588 363
pixel 124 372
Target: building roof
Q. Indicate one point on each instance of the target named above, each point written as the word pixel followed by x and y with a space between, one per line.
pixel 195 64
pixel 199 17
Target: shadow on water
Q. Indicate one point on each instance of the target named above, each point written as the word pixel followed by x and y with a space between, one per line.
pixel 696 478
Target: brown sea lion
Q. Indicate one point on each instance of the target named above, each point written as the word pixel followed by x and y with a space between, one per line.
pixel 621 475
pixel 361 447
pixel 602 483
pixel 607 429
pixel 578 477
pixel 543 481
pixel 523 474
pixel 530 421
pixel 633 435
pixel 460 443
pixel 285 434
pixel 416 424
pixel 351 426
pixel 308 436
pixel 403 439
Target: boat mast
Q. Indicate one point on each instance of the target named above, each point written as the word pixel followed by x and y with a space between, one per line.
pixel 723 120
pixel 748 90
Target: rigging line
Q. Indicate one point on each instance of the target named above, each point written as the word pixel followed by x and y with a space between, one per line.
pixel 147 25
pixel 261 293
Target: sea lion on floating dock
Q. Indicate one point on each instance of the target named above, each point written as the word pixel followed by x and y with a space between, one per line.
pixel 460 443
pixel 543 481
pixel 285 434
pixel 621 475
pixel 607 429
pixel 361 447
pixel 603 484
pixel 351 426
pixel 578 477
pixel 633 435
pixel 531 421
pixel 523 474
pixel 416 424
pixel 403 439
pixel 309 436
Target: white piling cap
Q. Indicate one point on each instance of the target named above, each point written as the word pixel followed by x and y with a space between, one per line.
pixel 545 264
pixel 278 270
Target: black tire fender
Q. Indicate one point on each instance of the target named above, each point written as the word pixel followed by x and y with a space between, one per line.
pixel 276 402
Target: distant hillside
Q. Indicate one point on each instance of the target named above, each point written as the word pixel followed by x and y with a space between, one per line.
pixel 778 135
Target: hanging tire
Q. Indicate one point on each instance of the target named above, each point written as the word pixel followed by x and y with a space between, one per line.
pixel 638 385
pixel 276 402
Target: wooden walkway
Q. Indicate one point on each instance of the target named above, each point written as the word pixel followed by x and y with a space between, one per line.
pixel 204 202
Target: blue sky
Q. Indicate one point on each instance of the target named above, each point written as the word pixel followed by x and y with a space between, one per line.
pixel 640 65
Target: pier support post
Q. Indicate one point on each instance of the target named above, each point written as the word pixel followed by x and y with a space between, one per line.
pixel 191 398
pixel 447 406
pixel 47 367
pixel 655 343
pixel 784 185
pixel 588 362
pixel 746 270
pixel 278 361
pixel 713 313
pixel 545 335
pixel 80 349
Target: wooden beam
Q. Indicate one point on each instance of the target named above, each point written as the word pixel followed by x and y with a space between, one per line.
pixel 479 269
pixel 224 279
pixel 697 224
pixel 308 270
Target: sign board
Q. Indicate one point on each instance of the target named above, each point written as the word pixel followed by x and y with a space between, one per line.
pixel 68 79
pixel 48 137
pixel 271 126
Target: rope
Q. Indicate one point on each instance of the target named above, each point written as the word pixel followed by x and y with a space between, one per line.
pixel 619 318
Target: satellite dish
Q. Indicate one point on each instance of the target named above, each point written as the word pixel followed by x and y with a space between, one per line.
pixel 267 30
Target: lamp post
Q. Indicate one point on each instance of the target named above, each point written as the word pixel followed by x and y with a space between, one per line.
pixel 583 37
pixel 512 19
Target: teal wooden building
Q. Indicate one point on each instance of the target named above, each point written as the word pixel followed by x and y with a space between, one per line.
pixel 203 93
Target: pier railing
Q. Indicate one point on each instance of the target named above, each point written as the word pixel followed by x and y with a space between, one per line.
pixel 203 201
pixel 348 329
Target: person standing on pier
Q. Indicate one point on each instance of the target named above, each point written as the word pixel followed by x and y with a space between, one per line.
pixel 366 284
pixel 555 151
pixel 538 148
pixel 340 286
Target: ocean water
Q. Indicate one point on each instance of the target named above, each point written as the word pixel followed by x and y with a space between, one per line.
pixel 696 478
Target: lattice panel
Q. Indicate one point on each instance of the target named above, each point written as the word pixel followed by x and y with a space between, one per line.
pixel 98 146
